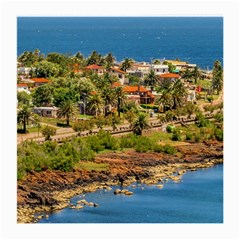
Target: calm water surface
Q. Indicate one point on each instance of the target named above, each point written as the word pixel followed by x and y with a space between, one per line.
pixel 194 39
pixel 197 199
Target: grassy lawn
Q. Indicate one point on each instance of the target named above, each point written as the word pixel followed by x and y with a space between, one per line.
pixel 52 121
pixel 90 166
pixel 84 116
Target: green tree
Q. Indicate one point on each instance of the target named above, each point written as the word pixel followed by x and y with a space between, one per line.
pixel 67 110
pixel 23 98
pixel 61 95
pixel 217 80
pixel 196 74
pixel 179 94
pixel 23 116
pixel 45 69
pixel 109 60
pixel 151 79
pixel 28 59
pixel 48 131
pixel 60 59
pixel 95 103
pixel 126 64
pixel 109 99
pixel 121 98
pixel 94 58
pixel 140 124
pixel 165 100
pixel 42 95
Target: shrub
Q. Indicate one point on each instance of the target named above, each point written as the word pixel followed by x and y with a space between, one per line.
pixel 176 136
pixel 48 131
pixel 218 134
pixel 189 135
pixel 95 144
pixel 143 144
pixel 158 148
pixel 210 98
pixel 198 137
pixel 170 128
pixel 128 141
pixel 169 149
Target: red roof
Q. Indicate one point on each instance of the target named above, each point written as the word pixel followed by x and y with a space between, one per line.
pixel 169 75
pixel 22 85
pixel 40 80
pixel 118 70
pixel 116 84
pixel 93 67
pixel 134 89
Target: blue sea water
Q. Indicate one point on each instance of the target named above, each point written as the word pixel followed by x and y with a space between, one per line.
pixel 194 39
pixel 197 199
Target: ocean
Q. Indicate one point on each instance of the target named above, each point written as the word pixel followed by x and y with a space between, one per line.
pixel 196 40
pixel 197 199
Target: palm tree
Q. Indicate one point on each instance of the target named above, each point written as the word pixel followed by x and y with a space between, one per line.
pixel 95 102
pixel 217 81
pixel 23 116
pixel 151 79
pixel 127 63
pixel 109 60
pixel 140 124
pixel 109 98
pixel 190 108
pixel 121 97
pixel 68 110
pixel 166 100
pixel 196 74
pixel 179 94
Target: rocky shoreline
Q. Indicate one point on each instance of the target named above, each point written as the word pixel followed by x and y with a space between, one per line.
pixel 40 194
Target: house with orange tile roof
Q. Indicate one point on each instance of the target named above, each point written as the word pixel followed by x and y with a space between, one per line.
pixel 22 87
pixel 170 76
pixel 121 75
pixel 139 94
pixel 39 81
pixel 99 70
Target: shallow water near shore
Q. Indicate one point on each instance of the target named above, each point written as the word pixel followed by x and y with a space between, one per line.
pixel 198 198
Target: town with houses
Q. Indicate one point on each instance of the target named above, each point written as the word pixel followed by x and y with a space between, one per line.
pixel 139 92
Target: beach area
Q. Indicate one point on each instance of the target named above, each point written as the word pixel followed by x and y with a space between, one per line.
pixel 43 193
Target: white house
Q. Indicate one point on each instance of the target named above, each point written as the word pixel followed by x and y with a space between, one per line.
pixel 24 70
pixel 23 87
pixel 121 75
pixel 46 111
pixel 160 69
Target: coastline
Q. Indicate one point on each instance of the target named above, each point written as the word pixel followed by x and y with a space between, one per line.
pixel 42 193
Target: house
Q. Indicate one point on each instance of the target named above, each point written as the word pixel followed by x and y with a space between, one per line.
pixel 121 75
pixel 39 81
pixel 159 68
pixel 46 111
pixel 191 95
pixel 24 70
pixel 170 76
pixel 22 87
pixel 99 70
pixel 139 69
pixel 139 94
